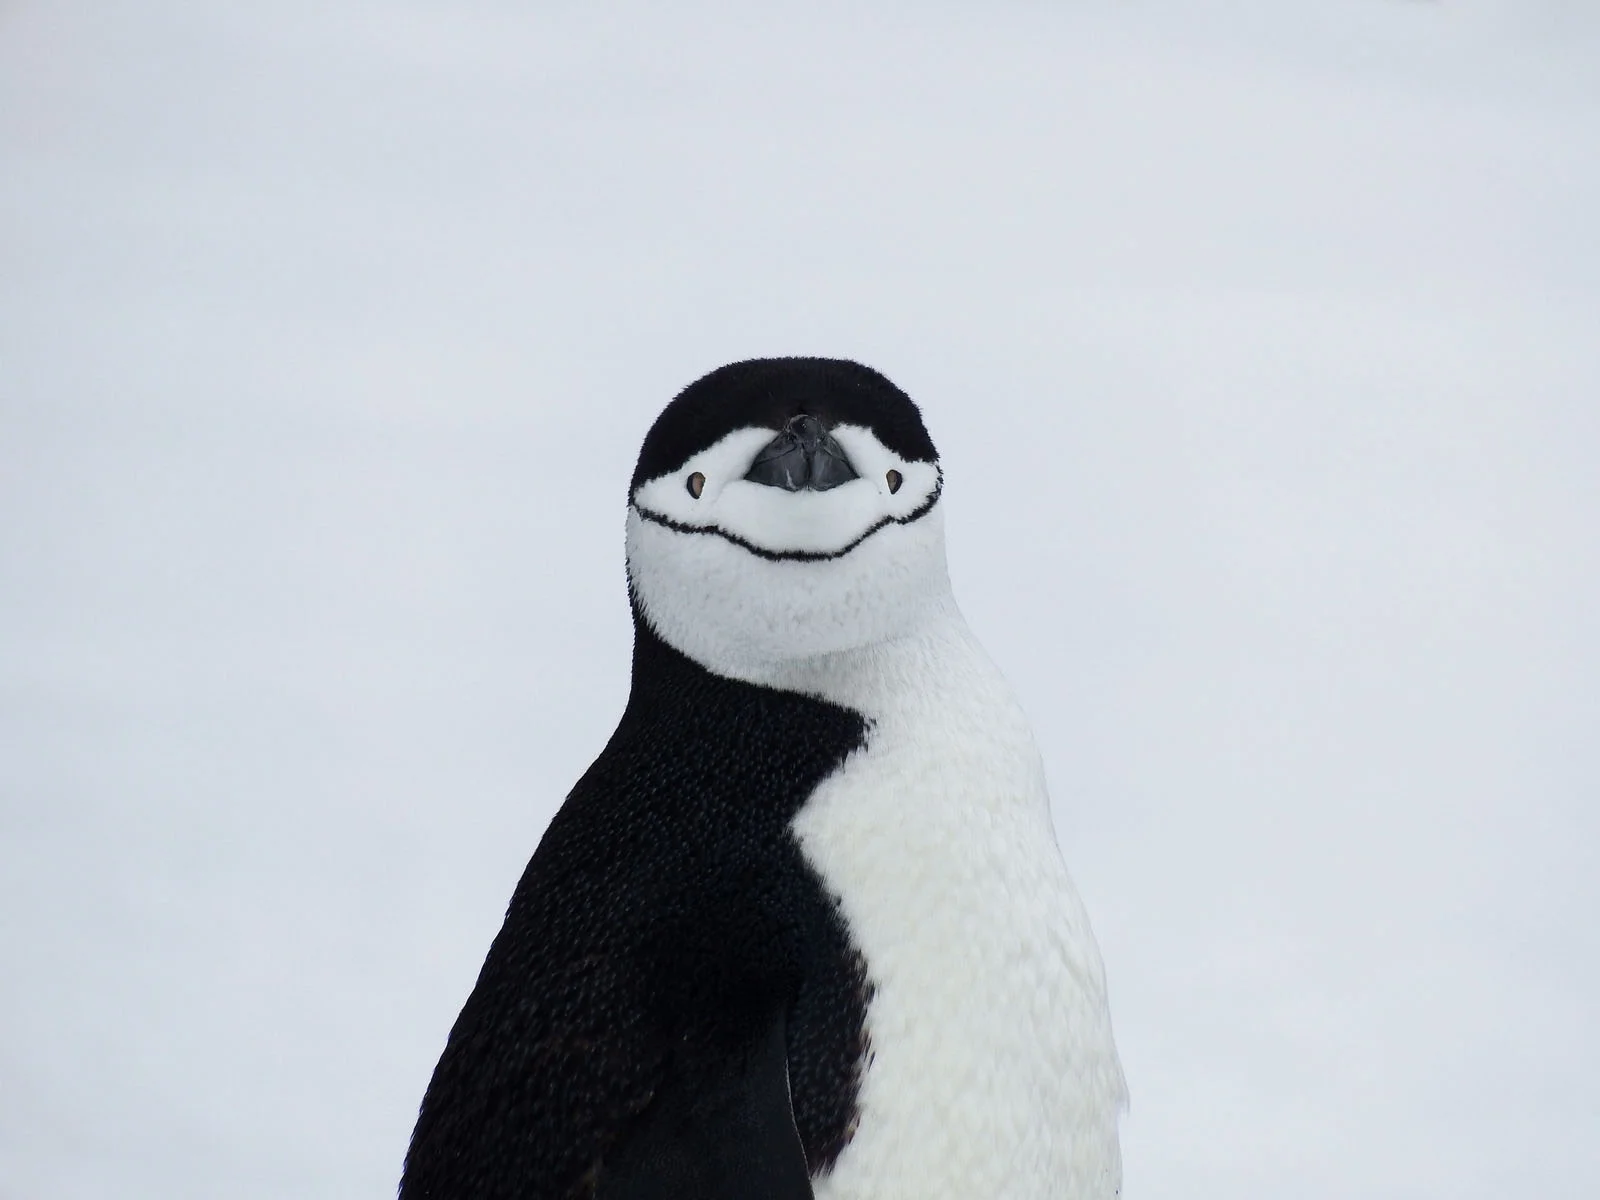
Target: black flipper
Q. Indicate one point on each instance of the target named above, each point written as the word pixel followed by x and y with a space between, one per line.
pixel 667 943
pixel 720 1128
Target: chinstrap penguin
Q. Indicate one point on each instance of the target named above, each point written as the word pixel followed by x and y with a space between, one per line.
pixel 803 929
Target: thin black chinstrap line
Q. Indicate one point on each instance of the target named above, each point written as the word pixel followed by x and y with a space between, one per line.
pixel 793 555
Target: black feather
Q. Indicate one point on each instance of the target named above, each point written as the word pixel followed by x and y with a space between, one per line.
pixel 622 1027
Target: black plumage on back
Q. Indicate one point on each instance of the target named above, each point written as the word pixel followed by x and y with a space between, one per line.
pixel 673 1007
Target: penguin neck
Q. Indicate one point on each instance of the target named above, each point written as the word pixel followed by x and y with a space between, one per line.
pixel 927 657
pixel 933 665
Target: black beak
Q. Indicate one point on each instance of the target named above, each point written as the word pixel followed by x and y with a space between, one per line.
pixel 804 455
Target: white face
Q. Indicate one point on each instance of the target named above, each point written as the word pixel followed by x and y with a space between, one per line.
pixel 745 577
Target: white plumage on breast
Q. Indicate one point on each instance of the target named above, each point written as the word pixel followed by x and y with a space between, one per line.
pixel 992 1069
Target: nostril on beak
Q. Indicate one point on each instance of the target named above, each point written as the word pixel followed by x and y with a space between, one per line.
pixel 807 430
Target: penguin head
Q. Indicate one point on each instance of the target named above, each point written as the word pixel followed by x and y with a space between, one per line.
pixel 783 509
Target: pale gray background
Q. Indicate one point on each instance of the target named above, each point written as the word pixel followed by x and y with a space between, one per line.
pixel 1262 341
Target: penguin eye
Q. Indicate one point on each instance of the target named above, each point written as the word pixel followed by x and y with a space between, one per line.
pixel 697 484
pixel 894 479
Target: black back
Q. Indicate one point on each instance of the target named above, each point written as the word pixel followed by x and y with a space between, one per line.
pixel 667 954
pixel 766 393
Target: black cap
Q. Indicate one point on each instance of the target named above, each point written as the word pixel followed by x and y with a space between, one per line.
pixel 768 393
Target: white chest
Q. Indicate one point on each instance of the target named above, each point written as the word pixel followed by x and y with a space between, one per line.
pixel 992 1069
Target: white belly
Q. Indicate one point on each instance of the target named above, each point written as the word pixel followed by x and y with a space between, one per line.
pixel 992 1070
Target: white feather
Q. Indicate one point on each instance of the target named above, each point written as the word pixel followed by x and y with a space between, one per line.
pixel 993 1069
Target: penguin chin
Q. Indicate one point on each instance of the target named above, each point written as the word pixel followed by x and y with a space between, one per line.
pixel 745 614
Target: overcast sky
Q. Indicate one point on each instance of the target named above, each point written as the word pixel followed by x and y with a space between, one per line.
pixel 1263 350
